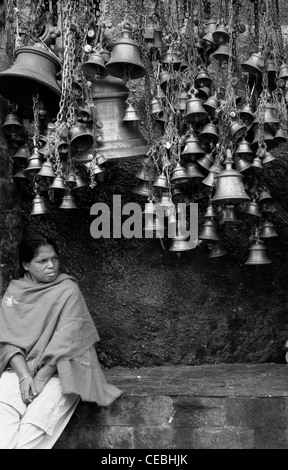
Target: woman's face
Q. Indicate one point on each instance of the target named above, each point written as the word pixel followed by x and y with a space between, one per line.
pixel 44 266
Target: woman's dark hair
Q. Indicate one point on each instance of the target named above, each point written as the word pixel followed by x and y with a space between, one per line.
pixel 30 244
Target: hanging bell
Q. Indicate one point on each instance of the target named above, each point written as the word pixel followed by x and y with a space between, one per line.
pixel 12 124
pixel 222 54
pixel 283 71
pixel 192 146
pixel 229 185
pixel 142 189
pixel 241 164
pixel 71 180
pixel 210 179
pixel 34 164
pixel 180 243
pixel 149 208
pixel 80 182
pixel 153 225
pixel 227 215
pixel 268 138
pixel 202 79
pixel 270 116
pixel 243 148
pixel 22 153
pixel 209 231
pixel 81 138
pixel 194 110
pixel 172 57
pixel 68 201
pixel 155 106
pixel 34 70
pixel 125 58
pixel 268 158
pixel 252 208
pixel 211 104
pixel 181 100
pixel 254 65
pixel 179 174
pixel 257 163
pixel 267 230
pixel 210 211
pixel 216 250
pixel 147 173
pixel 39 206
pixel 246 114
pixel 206 161
pixel 265 197
pixel 47 170
pixel 257 254
pixel 161 182
pixel 209 134
pixel 84 115
pixel 17 140
pixel 193 171
pixel 94 67
pixel 237 129
pixel 58 183
pixel 280 136
pixel 221 35
pixel 210 28
pixel 130 114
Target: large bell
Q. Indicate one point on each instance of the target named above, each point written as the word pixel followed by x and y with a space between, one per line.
pixel 81 138
pixel 254 65
pixel 229 185
pixel 179 174
pixel 34 70
pixel 209 231
pixel 194 110
pixel 257 254
pixel 47 170
pixel 94 67
pixel 125 58
pixel 270 116
pixel 118 139
pixel 209 134
pixel 202 79
pixel 192 146
pixel 222 54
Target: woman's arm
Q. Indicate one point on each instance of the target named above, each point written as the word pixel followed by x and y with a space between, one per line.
pixel 26 383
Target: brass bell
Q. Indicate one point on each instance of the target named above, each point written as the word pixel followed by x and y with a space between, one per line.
pixel 241 164
pixel 180 243
pixel 252 209
pixel 283 71
pixel 22 153
pixel 268 139
pixel 206 161
pixel 47 170
pixel 211 104
pixel 147 173
pixel 243 148
pixel 238 129
pixel 210 179
pixel 270 116
pixel 105 54
pixel 280 136
pixel 71 180
pixel 227 215
pixel 210 27
pixel 246 114
pixel 221 35
pixel 179 174
pixel 267 230
pixel 19 175
pixel 210 211
pixel 164 77
pixel 172 57
pixel 202 79
pixel 268 158
pixel 209 134
pixel 181 100
pixel 80 182
pixel 39 205
pixel 254 65
pixel 12 124
pixel 143 188
pixel 194 110
pixel 58 183
pixel 161 181
pixel 34 70
pixel 155 106
pixel 130 114
pixel 203 93
pixel 265 197
pixel 216 250
pixel 84 115
pixel 34 164
pixel 229 185
pixel 257 254
pixel 16 140
pixel 125 58
pixel 81 138
pixel 68 201
pixel 222 54
pixel 193 170
pixel 94 67
pixel 257 163
pixel 209 231
pixel 192 146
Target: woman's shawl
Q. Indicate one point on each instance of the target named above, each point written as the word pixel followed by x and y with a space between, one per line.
pixel 49 323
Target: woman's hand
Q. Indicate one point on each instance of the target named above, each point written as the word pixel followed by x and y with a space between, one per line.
pixel 28 390
pixel 39 384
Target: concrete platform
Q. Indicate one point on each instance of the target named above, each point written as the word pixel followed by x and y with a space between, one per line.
pixel 223 406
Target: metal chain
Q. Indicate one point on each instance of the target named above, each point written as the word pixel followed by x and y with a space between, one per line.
pixel 35 99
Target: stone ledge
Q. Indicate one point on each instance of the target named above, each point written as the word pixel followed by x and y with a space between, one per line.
pixel 223 406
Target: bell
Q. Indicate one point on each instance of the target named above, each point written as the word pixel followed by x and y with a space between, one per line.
pixel 194 110
pixel 77 89
pixel 71 180
pixel 119 139
pixel 254 65
pixel 161 182
pixel 39 205
pixel 84 115
pixel 22 152
pixel 193 170
pixel 34 70
pixel 19 175
pixel 280 136
pixel 172 57
pixel 238 129
pixel 149 208
pixel 257 163
pixel 142 189
pixel 246 114
pixel 203 93
pixel 243 148
pixel 211 104
pixel 58 183
pixel 105 54
pixel 192 146
pixel 265 197
pixel 210 179
pixel 80 182
pixel 63 147
pixel 181 100
pixel 227 215
pixel 80 137
pixel 210 211
pixel 34 164
pixel 147 173
pixel 209 134
pixel 17 140
pixel 283 71
pixel 222 54
pixel 252 209
pixel 209 231
pixel 125 58
pixel 267 230
pixel 164 77
pixel 216 251
pixel 202 79
pixel 268 139
pixel 130 114
pixel 180 243
pixel 229 185
pixel 257 254
pixel 270 116
pixel 155 106
pixel 179 174
pixel 241 164
pixel 68 201
pixel 221 35
pixel 206 161
pixel 12 124
pixel 94 67
pixel 268 158
pixel 47 170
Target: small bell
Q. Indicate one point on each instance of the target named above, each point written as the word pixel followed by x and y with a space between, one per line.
pixel 280 136
pixel 202 79
pixel 257 254
pixel 180 243
pixel 222 54
pixel 227 215
pixel 172 57
pixel 268 158
pixel 241 164
pixel 252 209
pixel 130 114
pixel 80 182
pixel 265 197
pixel 80 137
pixel 206 161
pixel 270 116
pixel 254 65
pixel 209 134
pixel 142 189
pixel 203 93
pixel 210 211
pixel 221 35
pixel 257 163
pixel 58 183
pixel 147 173
pixel 12 124
pixel 22 153
pixel 194 110
pixel 209 231
pixel 193 170
pixel 47 170
pixel 238 129
pixel 19 175
pixel 246 114
pixel 39 206
pixel 192 146
pixel 211 104
pixel 155 106
pixel 34 164
pixel 94 67
pixel 267 230
pixel 283 71
pixel 179 174
pixel 68 201
pixel 243 148
pixel 161 182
